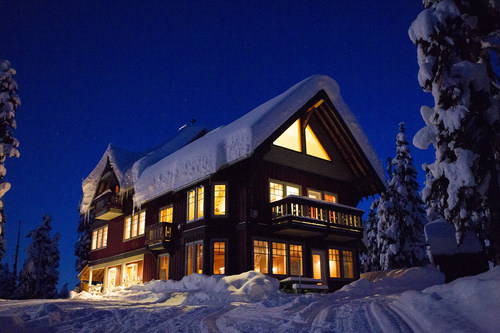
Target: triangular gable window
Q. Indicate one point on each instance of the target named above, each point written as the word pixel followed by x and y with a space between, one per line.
pixel 313 146
pixel 290 138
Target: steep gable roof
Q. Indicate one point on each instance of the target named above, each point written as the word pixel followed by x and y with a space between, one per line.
pixel 239 139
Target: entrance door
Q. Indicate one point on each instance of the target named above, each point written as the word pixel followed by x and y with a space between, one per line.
pixel 318 261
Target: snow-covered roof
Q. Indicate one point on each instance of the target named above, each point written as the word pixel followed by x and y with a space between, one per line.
pixel 128 166
pixel 165 170
pixel 239 139
pixel 120 160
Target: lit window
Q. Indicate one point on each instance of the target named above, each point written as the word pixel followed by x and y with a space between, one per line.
pixel 195 203
pixel 334 263
pixel 292 190
pixel 296 259
pixel 189 259
pixel 314 194
pixel 330 197
pixel 313 146
pixel 166 216
pixel 290 138
pixel 220 199
pixel 347 260
pixel 94 239
pixel 260 256
pixel 278 190
pixel 134 225
pixel 194 258
pixel 100 238
pixel 164 260
pixel 219 256
pixel 275 191
pixel 279 258
pixel 199 258
pixel 135 221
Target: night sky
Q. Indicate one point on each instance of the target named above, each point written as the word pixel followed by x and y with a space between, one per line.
pixel 95 72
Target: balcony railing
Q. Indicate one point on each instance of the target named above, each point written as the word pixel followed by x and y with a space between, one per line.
pixel 317 213
pixel 158 233
pixel 107 206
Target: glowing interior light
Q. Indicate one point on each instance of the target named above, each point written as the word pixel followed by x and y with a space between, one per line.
pixel 290 138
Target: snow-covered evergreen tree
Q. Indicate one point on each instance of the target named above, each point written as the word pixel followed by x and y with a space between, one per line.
pixel 39 276
pixel 9 102
pixel 455 40
pixel 372 259
pixel 401 212
pixel 7 281
pixel 82 246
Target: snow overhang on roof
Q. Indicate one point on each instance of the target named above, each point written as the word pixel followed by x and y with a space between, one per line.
pixel 120 161
pixel 239 139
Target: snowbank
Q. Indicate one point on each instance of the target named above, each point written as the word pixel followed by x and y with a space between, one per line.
pixel 398 280
pixel 442 239
pixel 248 287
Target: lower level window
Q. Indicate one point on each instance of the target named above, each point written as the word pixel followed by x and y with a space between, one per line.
pixel 279 258
pixel 164 261
pixel 219 255
pixel 334 263
pixel 347 259
pixel 296 259
pixel 194 258
pixel 260 256
pixel 338 259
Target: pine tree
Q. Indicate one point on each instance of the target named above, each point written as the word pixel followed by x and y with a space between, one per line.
pixel 372 260
pixel 455 41
pixel 401 212
pixel 64 291
pixel 9 102
pixel 39 276
pixel 82 246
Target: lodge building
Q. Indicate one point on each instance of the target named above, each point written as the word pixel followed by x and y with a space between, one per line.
pixel 275 191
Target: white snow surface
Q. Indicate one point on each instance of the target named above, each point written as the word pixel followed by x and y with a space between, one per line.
pixel 442 239
pixel 178 163
pixel 411 300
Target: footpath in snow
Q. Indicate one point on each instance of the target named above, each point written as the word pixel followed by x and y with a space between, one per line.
pixel 409 300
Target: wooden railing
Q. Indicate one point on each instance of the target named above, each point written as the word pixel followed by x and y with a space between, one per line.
pixel 315 212
pixel 158 233
pixel 107 205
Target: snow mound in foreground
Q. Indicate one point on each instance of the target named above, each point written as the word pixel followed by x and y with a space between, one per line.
pixel 397 280
pixel 470 304
pixel 249 286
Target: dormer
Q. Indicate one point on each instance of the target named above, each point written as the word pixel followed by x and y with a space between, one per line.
pixel 106 203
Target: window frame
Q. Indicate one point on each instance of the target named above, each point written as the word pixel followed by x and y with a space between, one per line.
pixel 285 186
pixel 165 255
pixel 196 204
pixel 168 224
pixel 226 197
pixel 270 255
pixel 101 234
pixel 323 195
pixel 194 259
pixel 342 262
pixel 141 226
pixel 212 254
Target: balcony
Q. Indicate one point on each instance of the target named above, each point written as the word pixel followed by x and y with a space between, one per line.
pixel 107 206
pixel 158 235
pixel 302 216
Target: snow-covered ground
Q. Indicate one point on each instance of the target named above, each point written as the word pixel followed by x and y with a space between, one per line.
pixel 412 300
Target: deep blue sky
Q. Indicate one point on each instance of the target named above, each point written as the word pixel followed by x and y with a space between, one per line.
pixel 95 72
